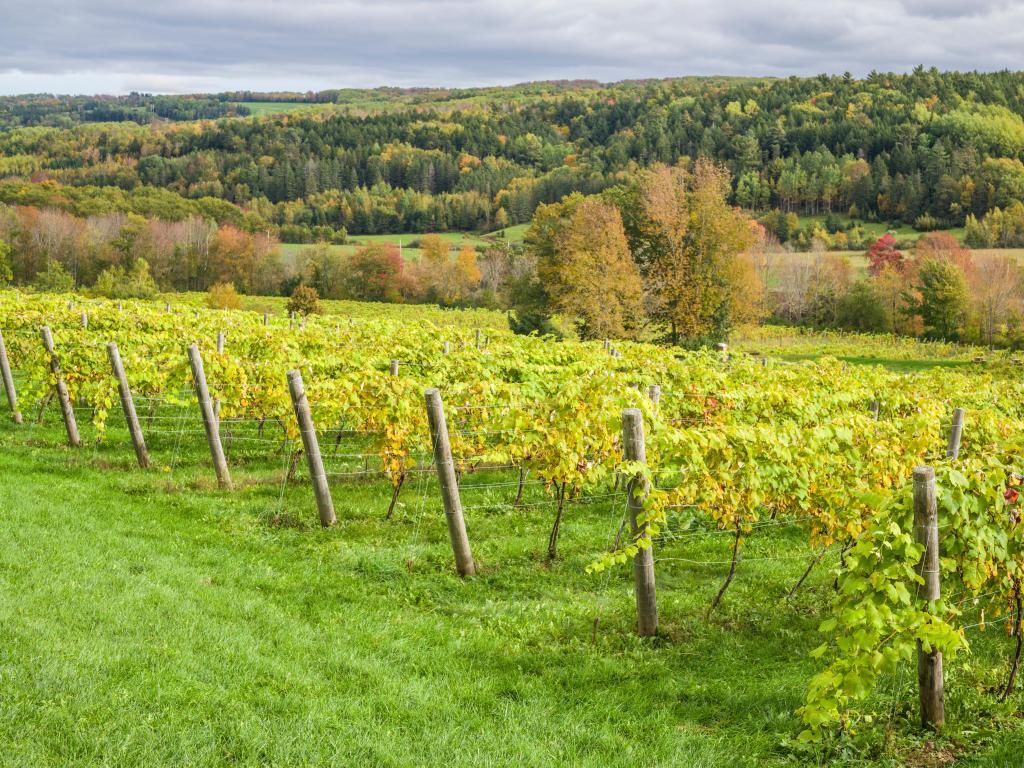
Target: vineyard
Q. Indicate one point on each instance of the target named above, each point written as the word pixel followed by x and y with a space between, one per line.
pixel 733 548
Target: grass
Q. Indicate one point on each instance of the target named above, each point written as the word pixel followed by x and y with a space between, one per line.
pixel 147 619
pixel 265 108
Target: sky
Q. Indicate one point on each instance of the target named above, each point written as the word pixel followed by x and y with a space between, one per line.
pixel 192 46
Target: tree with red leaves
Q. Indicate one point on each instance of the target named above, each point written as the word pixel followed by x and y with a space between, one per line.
pixel 883 253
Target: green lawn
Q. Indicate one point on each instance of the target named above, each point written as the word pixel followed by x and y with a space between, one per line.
pixel 147 619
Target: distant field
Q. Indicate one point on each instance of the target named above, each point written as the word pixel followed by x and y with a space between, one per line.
pixel 878 228
pixel 263 108
pixel 404 240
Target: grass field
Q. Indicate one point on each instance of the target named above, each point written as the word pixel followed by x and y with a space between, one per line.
pixel 265 108
pixel 148 620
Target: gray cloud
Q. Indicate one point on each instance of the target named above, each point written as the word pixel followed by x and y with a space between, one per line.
pixel 190 45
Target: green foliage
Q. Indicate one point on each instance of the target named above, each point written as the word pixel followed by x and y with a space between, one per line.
pixel 223 296
pixel 860 309
pixel 6 275
pixel 943 299
pixel 117 283
pixel 54 279
pixel 304 301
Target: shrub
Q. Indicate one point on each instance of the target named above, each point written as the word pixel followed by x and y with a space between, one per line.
pixel 54 279
pixel 117 283
pixel 223 296
pixel 305 301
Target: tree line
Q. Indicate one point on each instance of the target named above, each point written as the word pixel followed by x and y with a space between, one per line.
pixel 929 149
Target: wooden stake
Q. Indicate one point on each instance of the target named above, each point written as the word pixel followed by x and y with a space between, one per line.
pixel 128 405
pixel 311 445
pixel 637 489
pixel 956 431
pixel 8 379
pixel 654 393
pixel 926 531
pixel 220 464
pixel 85 319
pixel 394 367
pixel 449 484
pixel 446 348
pixel 875 407
pixel 62 391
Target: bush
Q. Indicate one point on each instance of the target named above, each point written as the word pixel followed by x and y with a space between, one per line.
pixel 305 301
pixel 54 279
pixel 861 309
pixel 223 296
pixel 926 223
pixel 5 264
pixel 116 283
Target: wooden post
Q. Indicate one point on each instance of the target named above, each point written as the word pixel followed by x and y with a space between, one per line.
pixel 85 319
pixel 764 362
pixel 167 307
pixel 5 370
pixel 394 367
pixel 956 430
pixel 637 489
pixel 220 464
pixel 220 351
pixel 875 407
pixel 266 319
pixel 926 531
pixel 607 345
pixel 478 338
pixel 128 405
pixel 62 391
pixel 321 488
pixel 446 348
pixel 654 392
pixel 449 484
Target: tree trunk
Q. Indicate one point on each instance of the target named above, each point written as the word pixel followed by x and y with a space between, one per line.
pixel 553 539
pixel 732 570
pixel 394 496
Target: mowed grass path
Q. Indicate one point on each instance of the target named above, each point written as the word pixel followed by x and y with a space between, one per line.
pixel 148 620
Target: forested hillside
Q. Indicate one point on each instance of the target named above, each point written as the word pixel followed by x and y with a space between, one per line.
pixel 928 148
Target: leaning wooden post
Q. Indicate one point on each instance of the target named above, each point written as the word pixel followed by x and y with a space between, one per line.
pixel 220 464
pixel 449 484
pixel 5 370
pixel 394 367
pixel 956 431
pixel 321 488
pixel 128 405
pixel 636 492
pixel 62 391
pixel 926 531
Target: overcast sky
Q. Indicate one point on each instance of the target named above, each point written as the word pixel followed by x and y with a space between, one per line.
pixel 116 46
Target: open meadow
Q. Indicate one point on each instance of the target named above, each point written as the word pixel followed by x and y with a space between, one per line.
pixel 178 614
